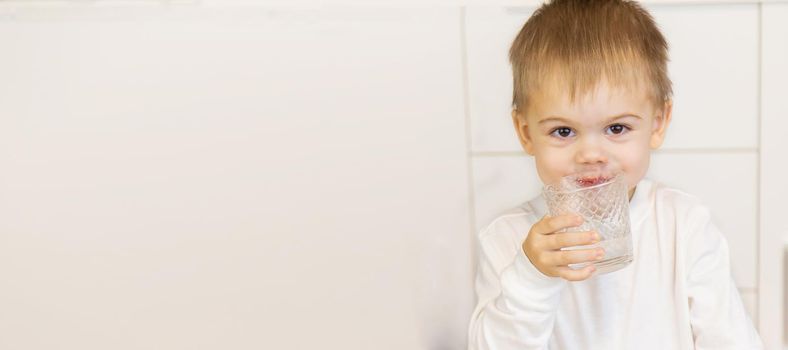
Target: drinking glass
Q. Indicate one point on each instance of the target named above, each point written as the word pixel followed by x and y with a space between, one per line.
pixel 602 199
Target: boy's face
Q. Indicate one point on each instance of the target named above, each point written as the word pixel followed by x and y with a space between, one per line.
pixel 611 130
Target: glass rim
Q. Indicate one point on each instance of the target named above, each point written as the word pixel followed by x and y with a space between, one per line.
pixel 552 188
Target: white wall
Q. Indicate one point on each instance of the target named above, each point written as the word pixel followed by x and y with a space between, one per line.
pixel 232 178
pixel 245 175
pixel 773 171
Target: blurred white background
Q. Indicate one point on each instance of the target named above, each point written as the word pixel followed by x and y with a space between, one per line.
pixel 311 174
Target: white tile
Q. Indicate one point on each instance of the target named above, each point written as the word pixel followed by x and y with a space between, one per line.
pixel 750 300
pixel 774 171
pixel 727 184
pixel 489 33
pixel 501 183
pixel 714 68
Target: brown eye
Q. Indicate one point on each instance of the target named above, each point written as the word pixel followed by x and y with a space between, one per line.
pixel 617 129
pixel 562 132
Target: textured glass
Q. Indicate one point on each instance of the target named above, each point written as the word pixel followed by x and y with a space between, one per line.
pixel 603 202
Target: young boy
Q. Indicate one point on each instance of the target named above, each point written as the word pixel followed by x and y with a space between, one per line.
pixel 591 93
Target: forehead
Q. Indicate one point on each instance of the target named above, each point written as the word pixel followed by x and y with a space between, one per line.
pixel 601 101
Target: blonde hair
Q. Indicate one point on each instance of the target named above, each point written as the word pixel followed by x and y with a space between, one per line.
pixel 576 43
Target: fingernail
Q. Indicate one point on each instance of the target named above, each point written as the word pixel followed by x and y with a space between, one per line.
pixel 600 254
pixel 595 237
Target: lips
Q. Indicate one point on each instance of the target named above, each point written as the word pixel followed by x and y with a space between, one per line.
pixel 591 181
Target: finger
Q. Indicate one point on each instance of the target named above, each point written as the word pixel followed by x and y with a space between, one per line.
pixel 569 239
pixel 566 257
pixel 551 224
pixel 570 274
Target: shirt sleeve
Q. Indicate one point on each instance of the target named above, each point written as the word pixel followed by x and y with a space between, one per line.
pixel 717 315
pixel 516 305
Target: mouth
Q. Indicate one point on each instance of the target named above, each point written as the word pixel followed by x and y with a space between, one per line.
pixel 591 181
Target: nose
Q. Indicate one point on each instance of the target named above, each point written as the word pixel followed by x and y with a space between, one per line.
pixel 590 151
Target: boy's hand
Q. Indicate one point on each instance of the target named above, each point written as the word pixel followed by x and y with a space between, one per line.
pixel 543 244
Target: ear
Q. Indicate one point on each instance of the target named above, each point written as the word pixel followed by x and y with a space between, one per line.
pixel 660 126
pixel 521 125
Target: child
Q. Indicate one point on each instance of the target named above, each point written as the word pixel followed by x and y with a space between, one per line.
pixel 591 93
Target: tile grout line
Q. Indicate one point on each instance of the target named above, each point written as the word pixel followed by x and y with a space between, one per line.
pixel 759 188
pixel 285 4
pixel 468 145
pixel 667 151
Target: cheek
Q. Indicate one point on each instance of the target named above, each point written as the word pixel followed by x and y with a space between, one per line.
pixel 552 165
pixel 634 162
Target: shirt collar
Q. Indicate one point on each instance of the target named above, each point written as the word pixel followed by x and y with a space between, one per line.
pixel 640 203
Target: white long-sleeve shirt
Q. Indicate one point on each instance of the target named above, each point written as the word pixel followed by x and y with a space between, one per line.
pixel 677 293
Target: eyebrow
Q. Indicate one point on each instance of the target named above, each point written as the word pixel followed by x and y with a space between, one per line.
pixel 610 119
